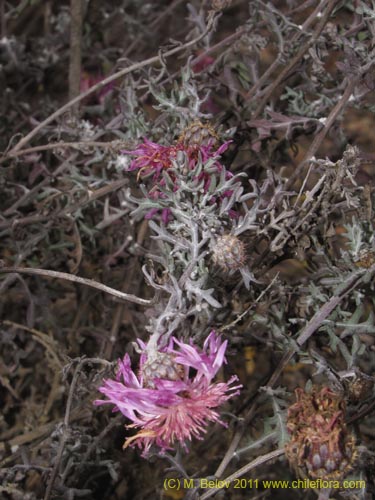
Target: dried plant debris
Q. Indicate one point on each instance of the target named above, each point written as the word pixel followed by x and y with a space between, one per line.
pixel 187 252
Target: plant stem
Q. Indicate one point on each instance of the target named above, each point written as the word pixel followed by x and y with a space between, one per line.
pixel 76 20
pixel 78 279
pixel 116 144
pixel 246 468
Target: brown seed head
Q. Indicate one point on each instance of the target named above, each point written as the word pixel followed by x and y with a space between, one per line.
pixel 320 444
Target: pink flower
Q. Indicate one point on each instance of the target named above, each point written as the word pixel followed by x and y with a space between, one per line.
pixel 152 159
pixel 173 397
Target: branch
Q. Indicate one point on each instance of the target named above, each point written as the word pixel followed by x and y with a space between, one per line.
pixel 116 145
pixel 317 320
pixel 294 61
pixel 92 196
pixel 110 79
pixel 76 19
pixel 319 138
pixel 78 279
pixel 66 424
pixel 246 468
pixel 329 122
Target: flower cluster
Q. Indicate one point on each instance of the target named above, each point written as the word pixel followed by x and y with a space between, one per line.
pixel 197 144
pixel 320 444
pixel 173 397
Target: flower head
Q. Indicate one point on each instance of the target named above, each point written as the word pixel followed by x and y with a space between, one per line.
pixel 198 144
pixel 320 445
pixel 173 397
pixel 152 158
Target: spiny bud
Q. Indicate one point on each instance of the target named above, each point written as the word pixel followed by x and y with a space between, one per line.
pixel 198 133
pixel 229 252
pixel 161 366
pixel 218 5
pixel 320 444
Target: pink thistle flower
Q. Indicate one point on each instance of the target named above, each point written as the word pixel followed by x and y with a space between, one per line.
pixel 173 397
pixel 152 158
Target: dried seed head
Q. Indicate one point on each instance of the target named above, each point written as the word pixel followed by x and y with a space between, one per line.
pixel 360 388
pixel 161 366
pixel 198 133
pixel 320 444
pixel 229 252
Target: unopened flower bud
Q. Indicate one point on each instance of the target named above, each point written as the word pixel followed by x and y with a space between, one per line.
pixel 229 253
pixel 220 4
pixel 198 134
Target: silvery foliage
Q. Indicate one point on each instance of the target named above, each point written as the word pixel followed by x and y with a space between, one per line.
pixel 198 215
